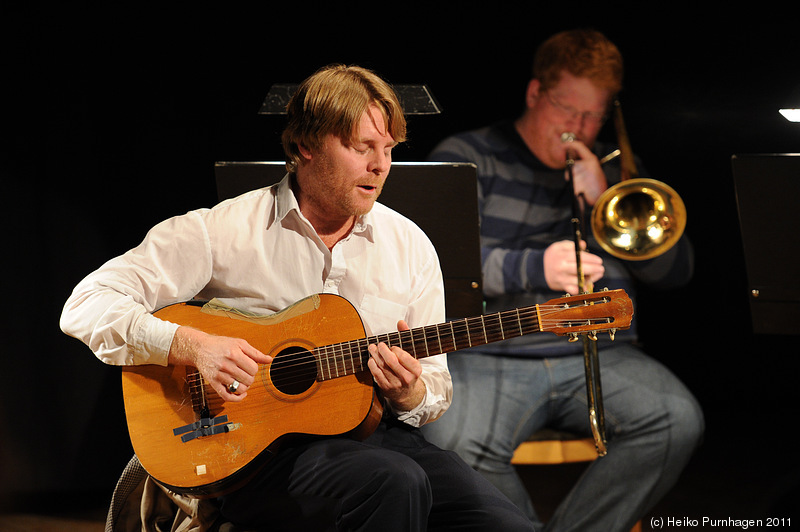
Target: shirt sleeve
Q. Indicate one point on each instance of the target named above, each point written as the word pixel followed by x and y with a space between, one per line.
pixel 111 309
pixel 429 309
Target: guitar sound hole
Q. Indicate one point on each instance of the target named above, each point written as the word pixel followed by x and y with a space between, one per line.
pixel 294 370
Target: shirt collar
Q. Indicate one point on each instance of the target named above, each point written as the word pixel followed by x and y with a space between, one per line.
pixel 286 202
pixel 364 225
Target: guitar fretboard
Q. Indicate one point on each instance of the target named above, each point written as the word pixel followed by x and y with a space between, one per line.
pixel 347 358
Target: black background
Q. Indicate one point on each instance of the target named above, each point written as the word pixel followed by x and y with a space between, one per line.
pixel 116 116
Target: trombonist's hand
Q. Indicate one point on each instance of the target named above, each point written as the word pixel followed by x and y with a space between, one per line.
pixel 588 176
pixel 561 267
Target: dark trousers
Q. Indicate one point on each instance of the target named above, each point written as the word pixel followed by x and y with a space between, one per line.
pixel 394 480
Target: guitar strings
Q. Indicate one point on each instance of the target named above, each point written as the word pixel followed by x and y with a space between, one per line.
pixel 465 328
pixel 412 341
pixel 347 358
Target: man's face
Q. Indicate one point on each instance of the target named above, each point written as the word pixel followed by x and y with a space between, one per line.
pixel 573 105
pixel 343 179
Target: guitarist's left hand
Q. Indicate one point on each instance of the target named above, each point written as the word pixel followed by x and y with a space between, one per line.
pixel 397 373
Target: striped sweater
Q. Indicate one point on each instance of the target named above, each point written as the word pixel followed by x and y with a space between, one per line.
pixel 525 207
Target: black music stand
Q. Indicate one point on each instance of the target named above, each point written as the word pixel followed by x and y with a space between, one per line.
pixel 414 99
pixel 439 197
pixel 767 195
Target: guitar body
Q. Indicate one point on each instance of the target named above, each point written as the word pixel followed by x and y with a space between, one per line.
pixel 160 400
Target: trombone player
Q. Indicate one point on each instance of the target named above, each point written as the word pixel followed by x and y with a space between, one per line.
pixel 506 391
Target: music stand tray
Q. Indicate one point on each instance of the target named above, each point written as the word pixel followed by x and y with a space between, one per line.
pixel 767 195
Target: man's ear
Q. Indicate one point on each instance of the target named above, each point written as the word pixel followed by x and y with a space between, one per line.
pixel 305 153
pixel 533 92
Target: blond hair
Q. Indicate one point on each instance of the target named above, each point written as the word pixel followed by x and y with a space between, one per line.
pixel 332 101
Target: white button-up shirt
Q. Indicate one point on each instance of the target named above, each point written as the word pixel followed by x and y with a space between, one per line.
pixel 258 253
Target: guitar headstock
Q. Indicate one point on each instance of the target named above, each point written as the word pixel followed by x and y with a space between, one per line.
pixel 608 310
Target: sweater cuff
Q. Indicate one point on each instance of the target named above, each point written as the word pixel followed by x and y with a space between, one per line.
pixel 534 270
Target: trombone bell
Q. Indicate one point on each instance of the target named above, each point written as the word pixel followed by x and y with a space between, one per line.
pixel 638 219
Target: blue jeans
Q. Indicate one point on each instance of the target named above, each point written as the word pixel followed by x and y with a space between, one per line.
pixel 653 425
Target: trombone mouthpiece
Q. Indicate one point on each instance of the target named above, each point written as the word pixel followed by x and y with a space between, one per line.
pixel 568 136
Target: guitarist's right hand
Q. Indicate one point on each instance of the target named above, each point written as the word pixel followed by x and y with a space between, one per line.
pixel 219 359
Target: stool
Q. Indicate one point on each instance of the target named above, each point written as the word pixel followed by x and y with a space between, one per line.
pixel 549 447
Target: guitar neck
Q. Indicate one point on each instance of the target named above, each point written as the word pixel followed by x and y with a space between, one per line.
pixel 346 358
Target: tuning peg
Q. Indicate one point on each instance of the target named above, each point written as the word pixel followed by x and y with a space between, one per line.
pixel 592 335
pixel 612 333
pixel 573 337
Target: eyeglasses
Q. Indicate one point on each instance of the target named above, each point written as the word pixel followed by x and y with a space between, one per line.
pixel 570 113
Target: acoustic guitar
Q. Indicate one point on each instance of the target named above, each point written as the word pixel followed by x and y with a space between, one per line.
pixel 318 384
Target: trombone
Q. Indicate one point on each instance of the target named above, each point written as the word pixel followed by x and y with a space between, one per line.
pixel 636 219
pixel 591 363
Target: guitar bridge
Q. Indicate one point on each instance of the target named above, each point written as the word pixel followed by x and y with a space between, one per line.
pixel 205 427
